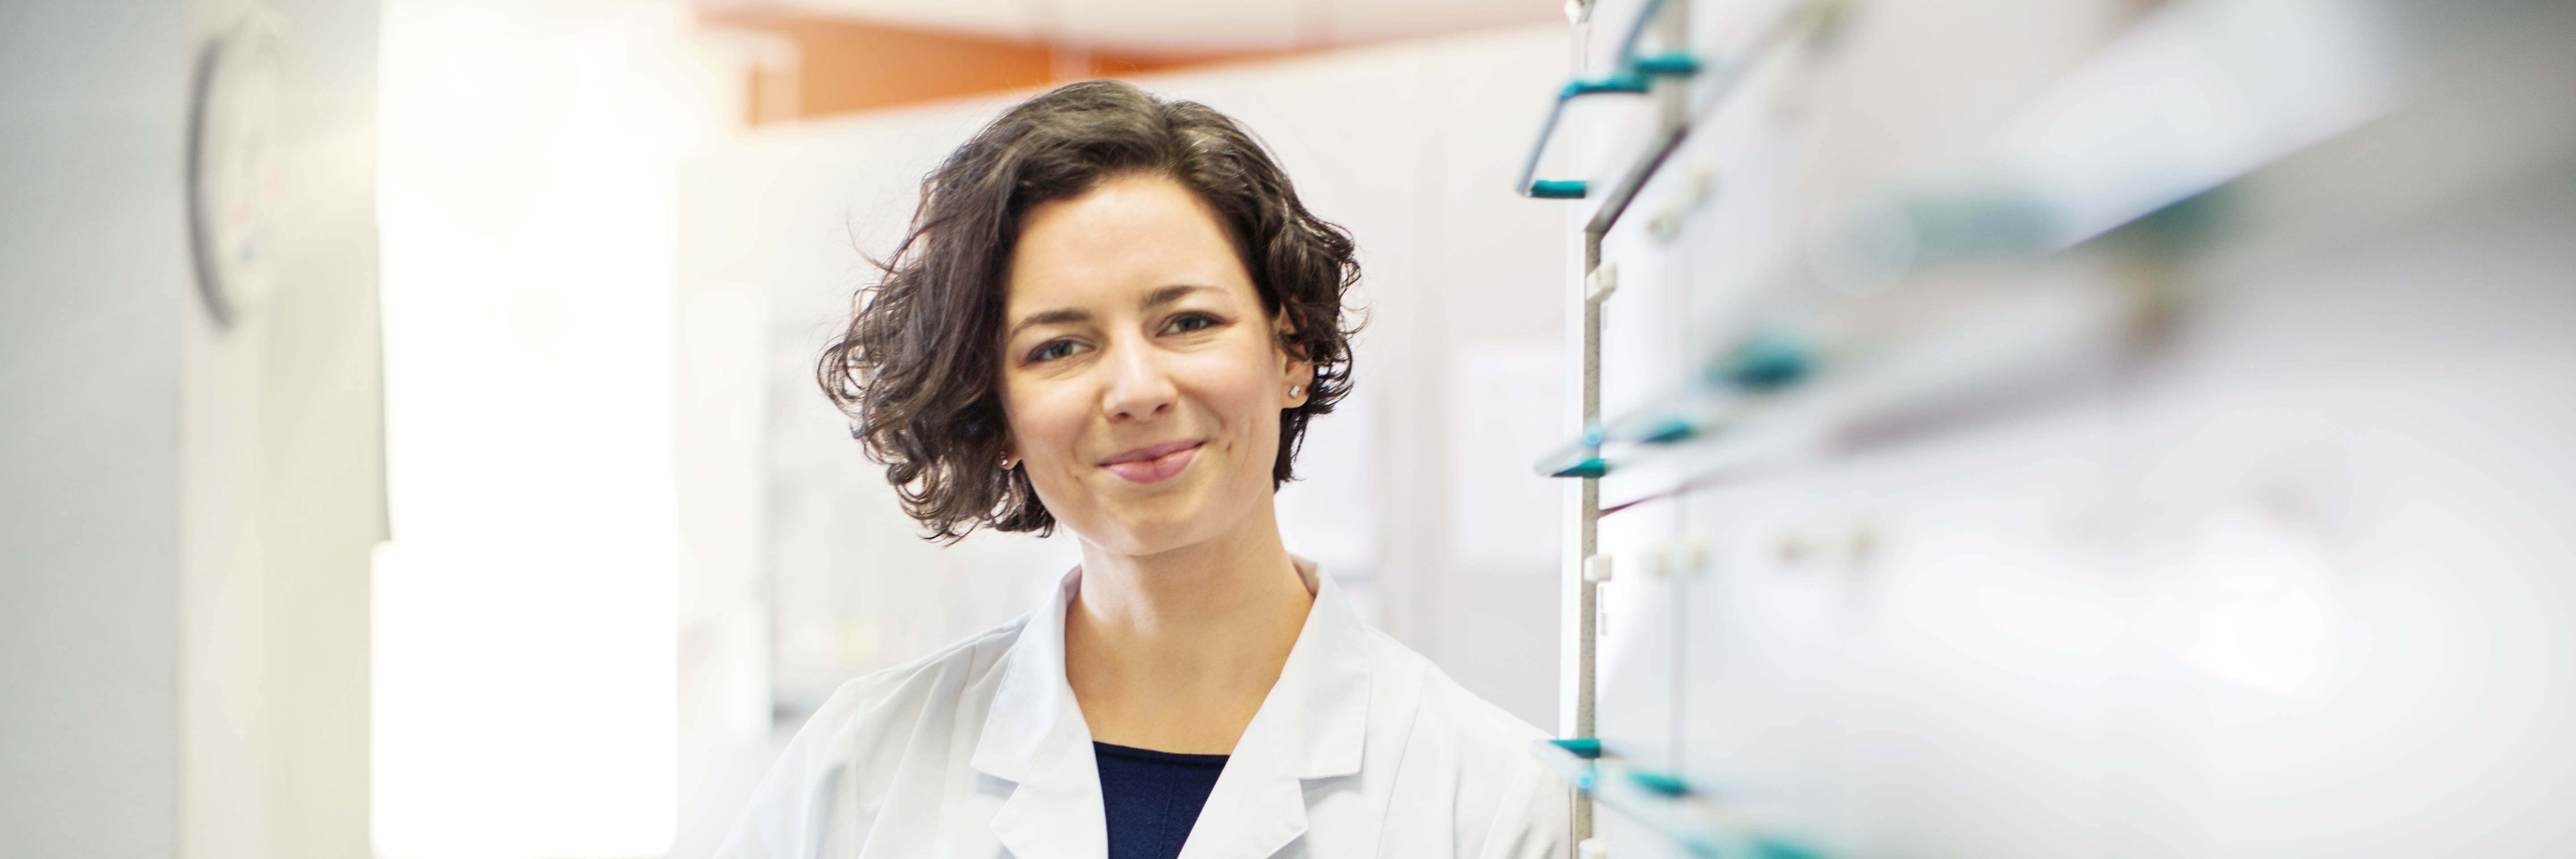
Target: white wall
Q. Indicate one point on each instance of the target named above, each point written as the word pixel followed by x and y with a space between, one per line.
pixel 281 448
pixel 93 279
pixel 185 510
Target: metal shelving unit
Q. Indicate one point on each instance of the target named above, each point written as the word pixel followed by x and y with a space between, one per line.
pixel 2121 144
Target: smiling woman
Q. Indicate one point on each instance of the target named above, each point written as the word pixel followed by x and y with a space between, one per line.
pixel 1137 349
pixel 919 367
pixel 1113 314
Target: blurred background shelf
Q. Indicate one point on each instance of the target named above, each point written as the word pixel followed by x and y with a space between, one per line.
pixel 2030 430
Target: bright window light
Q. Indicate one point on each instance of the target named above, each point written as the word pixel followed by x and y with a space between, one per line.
pixel 524 644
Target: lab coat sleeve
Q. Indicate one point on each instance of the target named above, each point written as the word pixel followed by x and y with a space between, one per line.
pixel 1512 806
pixel 813 804
pixel 1534 819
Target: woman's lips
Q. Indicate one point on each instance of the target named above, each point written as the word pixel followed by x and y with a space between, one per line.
pixel 1153 464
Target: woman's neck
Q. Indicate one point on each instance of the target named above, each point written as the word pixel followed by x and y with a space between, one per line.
pixel 1176 651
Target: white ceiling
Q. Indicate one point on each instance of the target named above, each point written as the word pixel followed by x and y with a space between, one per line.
pixel 1190 27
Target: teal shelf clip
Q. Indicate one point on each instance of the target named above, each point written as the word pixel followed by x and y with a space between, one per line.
pixel 1579 459
pixel 1623 83
pixel 1660 784
pixel 1559 189
pixel 1635 76
pixel 1675 64
pixel 1670 66
pixel 1696 820
pixel 1669 429
pixel 1590 467
pixel 1765 363
pixel 1587 748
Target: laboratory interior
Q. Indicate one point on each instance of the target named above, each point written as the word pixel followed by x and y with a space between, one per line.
pixel 1841 429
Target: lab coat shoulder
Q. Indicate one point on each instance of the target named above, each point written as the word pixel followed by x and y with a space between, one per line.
pixel 1503 801
pixel 904 726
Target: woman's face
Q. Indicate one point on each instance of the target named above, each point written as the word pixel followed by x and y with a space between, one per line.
pixel 1141 377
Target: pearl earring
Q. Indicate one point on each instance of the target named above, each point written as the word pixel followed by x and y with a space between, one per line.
pixel 1294 390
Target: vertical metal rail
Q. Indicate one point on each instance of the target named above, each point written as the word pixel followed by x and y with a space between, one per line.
pixel 1576 611
pixel 1582 613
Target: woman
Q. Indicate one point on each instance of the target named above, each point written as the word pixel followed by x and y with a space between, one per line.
pixel 1113 314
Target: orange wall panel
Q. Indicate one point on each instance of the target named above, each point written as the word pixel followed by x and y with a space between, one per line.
pixel 846 66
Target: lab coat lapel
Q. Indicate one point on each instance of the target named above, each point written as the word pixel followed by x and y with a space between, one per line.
pixel 1312 725
pixel 1035 737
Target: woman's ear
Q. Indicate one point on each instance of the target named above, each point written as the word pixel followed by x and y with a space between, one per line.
pixel 1297 373
pixel 1301 383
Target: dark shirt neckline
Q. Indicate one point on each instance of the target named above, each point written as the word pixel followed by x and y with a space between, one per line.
pixel 1152 799
pixel 1133 753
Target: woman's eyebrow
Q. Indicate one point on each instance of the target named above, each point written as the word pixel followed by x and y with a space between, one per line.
pixel 1169 294
pixel 1058 316
pixel 1063 315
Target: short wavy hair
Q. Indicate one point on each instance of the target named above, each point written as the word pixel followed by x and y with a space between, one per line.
pixel 918 369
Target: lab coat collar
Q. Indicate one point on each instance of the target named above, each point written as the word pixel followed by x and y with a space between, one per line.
pixel 1312 725
pixel 1317 714
pixel 1034 737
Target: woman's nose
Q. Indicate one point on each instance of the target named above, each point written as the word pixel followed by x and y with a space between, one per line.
pixel 1140 386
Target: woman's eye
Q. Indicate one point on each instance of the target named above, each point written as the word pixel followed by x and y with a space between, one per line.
pixel 1054 349
pixel 1188 322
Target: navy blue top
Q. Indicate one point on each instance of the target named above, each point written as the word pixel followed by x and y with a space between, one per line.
pixel 1152 798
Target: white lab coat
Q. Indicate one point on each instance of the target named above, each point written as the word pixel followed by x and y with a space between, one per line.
pixel 1363 748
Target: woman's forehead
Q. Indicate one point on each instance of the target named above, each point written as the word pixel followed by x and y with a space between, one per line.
pixel 1121 242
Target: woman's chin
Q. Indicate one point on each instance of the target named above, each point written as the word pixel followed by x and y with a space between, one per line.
pixel 1159 522
pixel 1141 533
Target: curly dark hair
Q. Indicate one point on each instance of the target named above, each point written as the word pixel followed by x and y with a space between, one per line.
pixel 918 371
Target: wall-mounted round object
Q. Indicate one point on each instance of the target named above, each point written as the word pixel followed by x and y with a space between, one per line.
pixel 235 158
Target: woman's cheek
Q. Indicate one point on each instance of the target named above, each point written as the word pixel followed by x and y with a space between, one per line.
pixel 1242 379
pixel 1038 418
